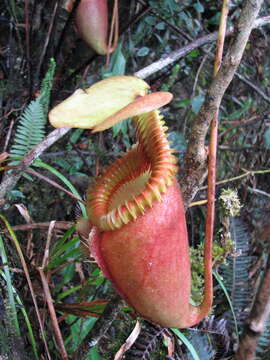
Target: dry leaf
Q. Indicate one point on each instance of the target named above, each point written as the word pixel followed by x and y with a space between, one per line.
pixel 129 342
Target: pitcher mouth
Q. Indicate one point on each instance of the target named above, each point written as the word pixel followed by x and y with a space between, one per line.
pixel 134 182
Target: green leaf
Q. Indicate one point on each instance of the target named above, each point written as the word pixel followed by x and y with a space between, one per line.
pixel 182 103
pixel 143 51
pixel 79 330
pixel 151 20
pixel 223 287
pixel 266 138
pixel 194 53
pixel 68 273
pixel 57 249
pixel 121 127
pixel 198 7
pixel 15 194
pixel 241 111
pixel 59 256
pixel 196 103
pixel 171 4
pixel 178 142
pixel 160 26
pixel 188 344
pixel 215 19
pixel 118 62
pixel 68 292
pixel 94 354
pixel 76 135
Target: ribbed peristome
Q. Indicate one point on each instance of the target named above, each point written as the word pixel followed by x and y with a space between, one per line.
pixel 138 179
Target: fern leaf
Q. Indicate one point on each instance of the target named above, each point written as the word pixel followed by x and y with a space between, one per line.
pixel 210 339
pixel 31 128
pixel 264 343
pixel 46 85
pixel 236 273
pixel 146 342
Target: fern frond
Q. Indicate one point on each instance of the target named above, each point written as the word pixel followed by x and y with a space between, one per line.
pixel 236 273
pixel 210 339
pixel 31 128
pixel 146 342
pixel 264 342
pixel 46 85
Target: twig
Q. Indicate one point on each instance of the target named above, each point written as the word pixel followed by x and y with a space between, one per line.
pixel 85 163
pixel 174 56
pixel 253 86
pixel 241 176
pixel 138 15
pixel 239 123
pixel 25 214
pixel 76 152
pixel 196 155
pixel 11 178
pixel 55 325
pixel 207 53
pixel 241 148
pixel 259 192
pixel 262 21
pixel 8 135
pixel 11 111
pixel 256 322
pixel 177 54
pixel 198 203
pixel 59 225
pixel 55 184
pixel 114 32
pixel 45 260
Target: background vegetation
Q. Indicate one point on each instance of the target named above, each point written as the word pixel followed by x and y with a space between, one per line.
pixel 42 61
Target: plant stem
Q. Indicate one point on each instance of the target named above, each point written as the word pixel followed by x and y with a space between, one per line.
pixel 210 216
pixel 51 308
